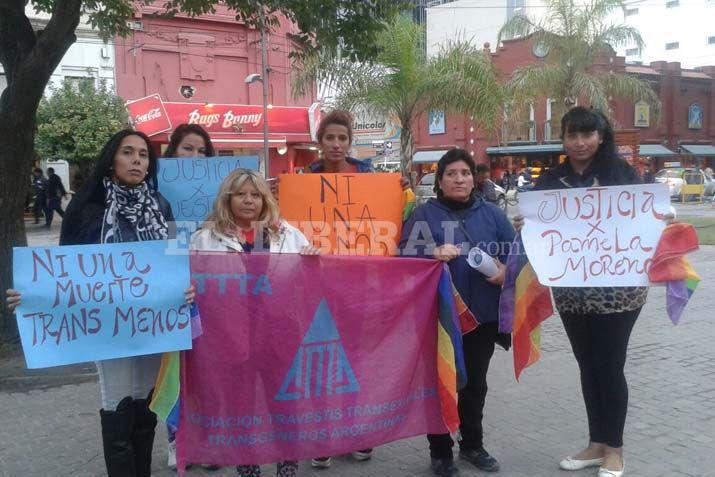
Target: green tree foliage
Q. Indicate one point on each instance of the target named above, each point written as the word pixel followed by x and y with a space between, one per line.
pixel 403 83
pixel 575 34
pixel 75 120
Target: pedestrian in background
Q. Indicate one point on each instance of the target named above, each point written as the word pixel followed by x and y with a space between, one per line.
pixel 120 203
pixel 39 186
pixel 55 193
pixel 458 217
pixel 484 187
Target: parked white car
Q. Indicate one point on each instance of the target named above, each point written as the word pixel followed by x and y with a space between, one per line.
pixel 675 177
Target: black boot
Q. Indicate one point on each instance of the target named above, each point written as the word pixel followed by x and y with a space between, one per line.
pixel 117 439
pixel 143 436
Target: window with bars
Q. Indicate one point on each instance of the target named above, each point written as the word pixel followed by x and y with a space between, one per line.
pixel 631 11
pixel 711 40
pixel 672 3
pixel 632 52
pixel 673 45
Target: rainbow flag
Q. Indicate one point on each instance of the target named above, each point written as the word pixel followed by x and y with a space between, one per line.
pixel 165 398
pixel 451 371
pixel 523 305
pixel 672 268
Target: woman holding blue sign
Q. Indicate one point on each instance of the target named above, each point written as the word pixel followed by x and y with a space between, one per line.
pixel 187 140
pixel 120 203
pixel 597 320
pixel 446 229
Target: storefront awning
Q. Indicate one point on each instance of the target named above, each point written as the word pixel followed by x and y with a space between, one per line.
pixel 699 149
pixel 427 157
pixel 526 149
pixel 655 150
pixel 154 116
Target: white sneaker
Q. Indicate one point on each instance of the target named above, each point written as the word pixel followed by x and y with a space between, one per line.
pixel 171 461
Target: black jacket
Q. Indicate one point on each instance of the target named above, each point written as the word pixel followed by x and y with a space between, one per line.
pixel 614 172
pixel 87 228
pixel 55 188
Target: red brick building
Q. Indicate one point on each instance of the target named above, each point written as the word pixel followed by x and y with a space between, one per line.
pixel 193 70
pixel 685 132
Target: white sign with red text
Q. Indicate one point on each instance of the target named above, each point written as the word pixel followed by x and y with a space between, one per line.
pixel 594 236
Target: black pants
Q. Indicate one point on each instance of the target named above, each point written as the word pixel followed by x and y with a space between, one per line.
pixel 40 207
pixel 54 205
pixel 599 343
pixel 478 350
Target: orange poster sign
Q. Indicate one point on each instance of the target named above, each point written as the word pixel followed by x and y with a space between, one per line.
pixel 345 214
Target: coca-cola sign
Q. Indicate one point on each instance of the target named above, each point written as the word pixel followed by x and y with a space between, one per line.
pixel 148 115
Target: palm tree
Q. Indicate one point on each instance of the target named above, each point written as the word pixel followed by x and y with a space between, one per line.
pixel 403 83
pixel 575 34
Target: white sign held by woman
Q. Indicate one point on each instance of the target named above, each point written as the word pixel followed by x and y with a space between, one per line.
pixel 594 236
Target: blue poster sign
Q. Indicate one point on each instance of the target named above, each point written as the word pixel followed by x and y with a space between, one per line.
pixel 435 119
pixel 695 116
pixel 190 185
pixel 93 302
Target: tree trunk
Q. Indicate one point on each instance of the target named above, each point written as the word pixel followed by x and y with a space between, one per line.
pixel 29 60
pixel 16 148
pixel 407 150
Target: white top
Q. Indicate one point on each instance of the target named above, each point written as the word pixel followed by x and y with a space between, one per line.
pixel 290 240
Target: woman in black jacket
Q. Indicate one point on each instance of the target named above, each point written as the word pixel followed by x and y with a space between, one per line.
pixel 120 203
pixel 598 320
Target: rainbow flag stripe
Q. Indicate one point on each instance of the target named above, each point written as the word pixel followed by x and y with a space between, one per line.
pixel 523 305
pixel 451 371
pixel 670 266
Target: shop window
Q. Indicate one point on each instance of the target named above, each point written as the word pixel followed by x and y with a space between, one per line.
pixel 632 52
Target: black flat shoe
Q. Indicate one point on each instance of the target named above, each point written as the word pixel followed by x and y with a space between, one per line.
pixel 480 459
pixel 444 468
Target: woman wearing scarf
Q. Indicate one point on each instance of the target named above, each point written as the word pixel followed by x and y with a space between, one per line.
pixel 120 203
pixel 445 229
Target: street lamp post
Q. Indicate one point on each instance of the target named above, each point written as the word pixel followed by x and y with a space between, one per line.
pixel 263 78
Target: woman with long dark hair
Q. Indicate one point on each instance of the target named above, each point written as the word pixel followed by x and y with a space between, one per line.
pixel 597 320
pixel 189 140
pixel 120 203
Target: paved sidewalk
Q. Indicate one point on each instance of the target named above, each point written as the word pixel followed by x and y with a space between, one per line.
pixel 529 425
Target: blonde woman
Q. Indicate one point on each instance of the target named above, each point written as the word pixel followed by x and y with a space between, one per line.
pixel 246 218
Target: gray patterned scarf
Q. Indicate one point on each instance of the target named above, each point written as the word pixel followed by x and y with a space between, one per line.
pixel 138 206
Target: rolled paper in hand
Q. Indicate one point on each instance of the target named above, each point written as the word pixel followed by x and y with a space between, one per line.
pixel 482 262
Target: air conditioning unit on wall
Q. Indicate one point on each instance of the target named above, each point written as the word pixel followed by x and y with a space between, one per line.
pixel 135 25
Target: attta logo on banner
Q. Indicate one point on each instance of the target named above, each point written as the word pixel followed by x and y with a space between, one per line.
pixel 148 115
pixel 321 350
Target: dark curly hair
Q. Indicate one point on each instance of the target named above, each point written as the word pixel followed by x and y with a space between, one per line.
pixel 336 116
pixel 453 155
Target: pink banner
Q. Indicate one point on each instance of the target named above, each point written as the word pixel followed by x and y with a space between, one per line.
pixel 304 357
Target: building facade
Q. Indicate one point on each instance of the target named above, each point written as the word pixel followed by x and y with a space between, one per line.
pixel 195 70
pixel 679 31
